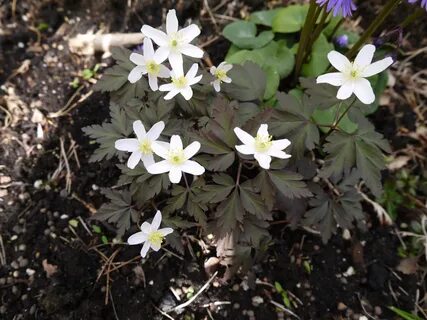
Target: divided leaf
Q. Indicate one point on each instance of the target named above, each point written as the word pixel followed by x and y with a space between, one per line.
pixel 289 183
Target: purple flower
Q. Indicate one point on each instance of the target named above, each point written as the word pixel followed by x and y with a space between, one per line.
pixel 344 7
pixel 341 41
pixel 423 3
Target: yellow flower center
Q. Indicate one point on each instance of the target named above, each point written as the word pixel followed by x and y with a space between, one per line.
pixel 263 142
pixel 220 74
pixel 145 147
pixel 174 43
pixel 176 156
pixel 180 82
pixel 156 238
pixel 153 68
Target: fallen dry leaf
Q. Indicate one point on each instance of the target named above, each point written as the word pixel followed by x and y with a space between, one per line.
pixel 50 269
pixel 408 266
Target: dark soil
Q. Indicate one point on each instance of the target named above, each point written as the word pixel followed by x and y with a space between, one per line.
pixel 52 268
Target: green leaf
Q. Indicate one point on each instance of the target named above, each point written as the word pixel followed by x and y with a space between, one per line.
pixel 107 133
pixel 264 17
pixel 248 82
pixel 252 202
pixel 273 81
pixel 405 315
pixel 322 96
pixel 118 211
pixel 292 120
pixel 229 213
pixel 328 117
pixel 362 149
pixel 290 19
pixel 318 60
pixel 214 193
pixel 243 35
pixel 264 185
pixel 289 183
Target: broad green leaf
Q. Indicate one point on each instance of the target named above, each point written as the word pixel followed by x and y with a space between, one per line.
pixel 292 120
pixel 243 35
pixel 229 213
pixel 327 117
pixel 273 81
pixel 290 19
pixel 318 59
pixel 289 183
pixel 280 57
pixel 264 17
pixel 242 56
pixel 248 82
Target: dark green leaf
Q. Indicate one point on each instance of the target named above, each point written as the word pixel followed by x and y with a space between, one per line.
pixel 290 184
pixel 318 60
pixel 264 17
pixel 243 35
pixel 229 213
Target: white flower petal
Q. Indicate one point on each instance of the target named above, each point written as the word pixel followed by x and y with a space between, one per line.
pixel 363 91
pixel 191 51
pixel 263 130
pixel 345 91
pixel 171 22
pixel 156 246
pixel 159 37
pixel 167 87
pixel 187 93
pixel 128 145
pixel 145 249
pixel 338 61
pixel 365 56
pixel 148 160
pixel 161 54
pixel 159 167
pixel 192 167
pixel 192 149
pixel 137 238
pixel 193 71
pixel 157 220
pixel 226 80
pixel 148 48
pixel 145 227
pixel 134 159
pixel 139 130
pixel 334 78
pixel 226 66
pixel 281 144
pixel 155 131
pixel 243 136
pixel 245 149
pixel 263 160
pixel 194 80
pixel 189 33
pixel 176 142
pixel 175 175
pixel 137 58
pixel 152 81
pixel 278 153
pixel 171 94
pixel 136 73
pixel 175 59
pixel 212 70
pixel 164 72
pixel 377 67
pixel 165 231
pixel 161 149
pixel 217 86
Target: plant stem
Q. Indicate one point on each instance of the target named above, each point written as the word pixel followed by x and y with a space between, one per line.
pixel 239 172
pixel 305 35
pixel 318 30
pixel 339 24
pixel 186 182
pixel 384 13
pixel 411 18
pixel 337 122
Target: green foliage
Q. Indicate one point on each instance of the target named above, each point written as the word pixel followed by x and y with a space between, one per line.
pixel 243 35
pixel 404 314
pixel 317 62
pixel 290 19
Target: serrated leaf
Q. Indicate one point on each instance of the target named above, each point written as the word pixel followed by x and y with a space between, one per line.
pixel 229 213
pixel 214 193
pixel 264 185
pixel 292 120
pixel 118 211
pixel 253 202
pixel 361 149
pixel 289 183
pixel 107 133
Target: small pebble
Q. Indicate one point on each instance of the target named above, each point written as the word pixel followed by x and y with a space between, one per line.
pixel 236 287
pixel 257 300
pixel 2 281
pixel 24 297
pixel 22 247
pixel 50 223
pixel 33 309
pixel 236 306
pixel 64 216
pixel 3 309
pixel 14 237
pixel 14 265
pixel 350 272
pixel 15 290
pixel 46 232
pixel 15 274
pixel 341 306
pixel 30 272
pixel 23 263
pixel 56 214
pixel 378 310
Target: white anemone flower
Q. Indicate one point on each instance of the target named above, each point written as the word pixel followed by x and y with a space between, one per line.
pixel 174 43
pixel 149 63
pixel 177 159
pixel 263 147
pixel 180 83
pixel 351 77
pixel 220 74
pixel 150 235
pixel 142 144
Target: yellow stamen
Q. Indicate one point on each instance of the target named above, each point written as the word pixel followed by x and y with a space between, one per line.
pixel 263 142
pixel 153 68
pixel 156 238
pixel 220 74
pixel 176 156
pixel 145 147
pixel 180 82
